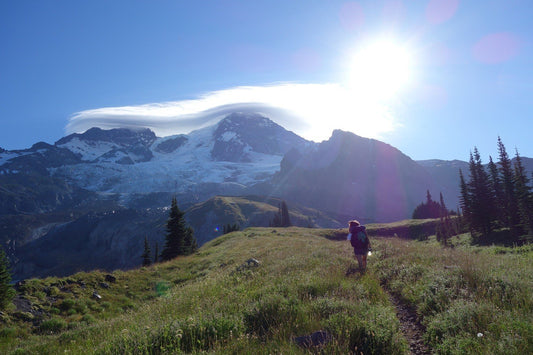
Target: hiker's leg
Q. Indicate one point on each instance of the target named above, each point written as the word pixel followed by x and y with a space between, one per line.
pixel 359 260
pixel 364 261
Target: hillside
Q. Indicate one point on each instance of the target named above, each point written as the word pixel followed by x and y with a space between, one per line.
pixel 274 290
pixel 115 239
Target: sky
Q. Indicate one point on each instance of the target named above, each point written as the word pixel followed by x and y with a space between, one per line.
pixel 433 78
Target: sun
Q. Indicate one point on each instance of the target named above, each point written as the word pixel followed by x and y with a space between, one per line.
pixel 380 68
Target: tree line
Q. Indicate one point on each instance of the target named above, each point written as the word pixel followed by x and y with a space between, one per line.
pixel 179 239
pixel 498 196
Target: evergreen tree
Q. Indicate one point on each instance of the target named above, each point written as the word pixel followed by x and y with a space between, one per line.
pixel 482 202
pixel 508 204
pixel 285 218
pixel 146 253
pixel 429 209
pixel 281 218
pixel 496 189
pixel 6 291
pixel 524 196
pixel 189 243
pixel 231 228
pixel 156 253
pixel 465 200
pixel 180 238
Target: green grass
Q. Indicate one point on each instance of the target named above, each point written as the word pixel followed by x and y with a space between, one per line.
pixel 214 302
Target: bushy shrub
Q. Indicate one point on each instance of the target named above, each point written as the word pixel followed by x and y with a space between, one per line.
pixel 270 313
pixel 53 325
pixel 67 304
pixel 374 332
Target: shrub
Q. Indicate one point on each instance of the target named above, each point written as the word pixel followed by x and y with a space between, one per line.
pixel 269 314
pixel 51 326
pixel 8 332
pixel 374 332
pixel 67 304
pixel 461 318
pixel 87 318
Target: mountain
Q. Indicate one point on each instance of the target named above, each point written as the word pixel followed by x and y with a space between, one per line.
pixel 70 197
pixel 354 176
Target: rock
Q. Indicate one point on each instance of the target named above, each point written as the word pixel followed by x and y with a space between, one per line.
pixel 104 285
pixel 248 264
pixel 252 262
pixel 317 339
pixel 110 278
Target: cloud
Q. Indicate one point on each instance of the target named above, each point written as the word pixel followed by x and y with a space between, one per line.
pixel 310 110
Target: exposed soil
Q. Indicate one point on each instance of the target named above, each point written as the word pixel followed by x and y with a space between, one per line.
pixel 410 325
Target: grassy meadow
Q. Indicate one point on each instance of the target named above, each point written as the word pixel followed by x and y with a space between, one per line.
pixel 469 299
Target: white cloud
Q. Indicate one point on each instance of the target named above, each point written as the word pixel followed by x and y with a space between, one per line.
pixel 310 110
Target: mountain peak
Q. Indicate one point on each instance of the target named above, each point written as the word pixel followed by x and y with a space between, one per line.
pixel 240 134
pixel 121 136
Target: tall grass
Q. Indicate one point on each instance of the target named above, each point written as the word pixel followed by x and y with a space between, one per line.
pixel 216 302
pixel 471 300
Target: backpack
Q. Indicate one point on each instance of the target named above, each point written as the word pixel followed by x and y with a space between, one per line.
pixel 359 239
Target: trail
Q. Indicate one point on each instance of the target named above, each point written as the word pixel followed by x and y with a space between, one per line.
pixel 410 325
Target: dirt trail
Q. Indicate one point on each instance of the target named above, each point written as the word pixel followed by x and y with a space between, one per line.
pixel 410 325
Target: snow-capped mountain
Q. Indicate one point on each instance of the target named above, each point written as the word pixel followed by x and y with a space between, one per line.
pixel 106 190
pixel 239 151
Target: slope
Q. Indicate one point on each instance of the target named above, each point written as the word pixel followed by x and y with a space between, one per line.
pixel 275 290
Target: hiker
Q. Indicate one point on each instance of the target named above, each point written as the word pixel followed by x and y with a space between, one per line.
pixel 360 242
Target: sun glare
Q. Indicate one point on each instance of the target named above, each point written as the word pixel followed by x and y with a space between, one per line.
pixel 380 69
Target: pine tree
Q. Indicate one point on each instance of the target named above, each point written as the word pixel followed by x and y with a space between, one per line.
pixel 146 253
pixel 508 204
pixel 156 253
pixel 465 200
pixel 281 218
pixel 429 209
pixel 496 189
pixel 524 196
pixel 482 202
pixel 179 239
pixel 446 228
pixel 189 242
pixel 231 228
pixel 285 218
pixel 6 291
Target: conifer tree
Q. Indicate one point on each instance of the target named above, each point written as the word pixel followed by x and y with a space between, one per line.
pixel 6 291
pixel 180 238
pixel 281 218
pixel 231 228
pixel 508 204
pixel 496 189
pixel 464 199
pixel 147 260
pixel 156 253
pixel 189 243
pixel 482 202
pixel 524 196
pixel 429 209
pixel 285 218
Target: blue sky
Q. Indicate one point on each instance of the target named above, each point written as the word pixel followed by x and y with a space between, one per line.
pixel 470 80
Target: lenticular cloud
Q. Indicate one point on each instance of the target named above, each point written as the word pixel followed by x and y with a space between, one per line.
pixel 310 110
